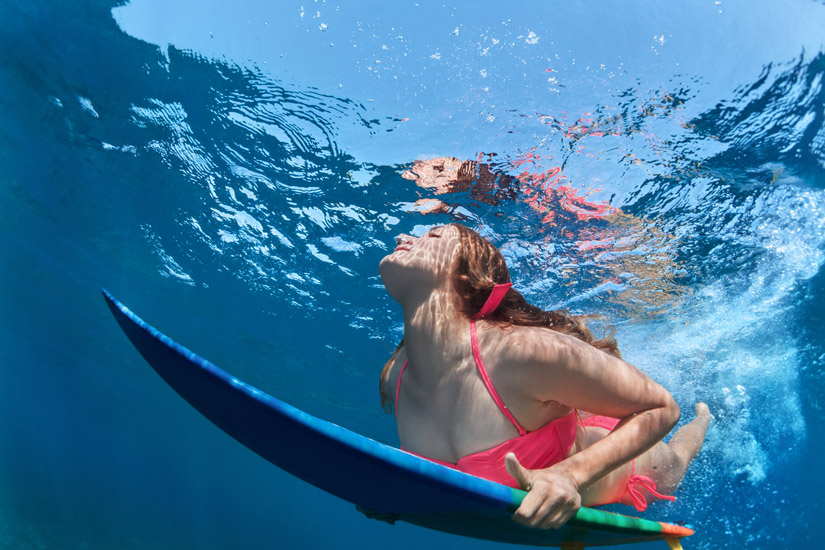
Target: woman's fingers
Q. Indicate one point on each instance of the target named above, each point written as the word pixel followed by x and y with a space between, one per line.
pixel 552 498
pixel 553 521
pixel 557 515
pixel 539 510
pixel 529 509
pixel 541 514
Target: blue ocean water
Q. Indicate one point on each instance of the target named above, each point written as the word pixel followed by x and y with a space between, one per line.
pixel 234 173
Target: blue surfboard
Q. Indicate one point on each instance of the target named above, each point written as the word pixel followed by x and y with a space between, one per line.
pixel 383 482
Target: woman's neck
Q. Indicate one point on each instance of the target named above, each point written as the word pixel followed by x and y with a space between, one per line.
pixel 432 327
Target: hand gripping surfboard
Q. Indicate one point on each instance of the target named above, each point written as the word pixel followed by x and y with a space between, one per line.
pixel 383 482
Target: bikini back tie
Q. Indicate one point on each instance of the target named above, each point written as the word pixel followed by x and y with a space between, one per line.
pixel 494 300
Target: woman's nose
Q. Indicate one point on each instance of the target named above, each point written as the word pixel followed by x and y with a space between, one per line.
pixel 403 238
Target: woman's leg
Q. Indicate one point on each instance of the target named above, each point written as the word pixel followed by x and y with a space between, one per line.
pixel 665 463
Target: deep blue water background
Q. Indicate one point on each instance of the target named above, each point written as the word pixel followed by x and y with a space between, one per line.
pixel 233 174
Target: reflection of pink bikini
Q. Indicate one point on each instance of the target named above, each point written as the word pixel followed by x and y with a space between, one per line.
pixel 541 448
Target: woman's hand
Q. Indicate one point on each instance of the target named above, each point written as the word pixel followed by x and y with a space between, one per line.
pixel 552 495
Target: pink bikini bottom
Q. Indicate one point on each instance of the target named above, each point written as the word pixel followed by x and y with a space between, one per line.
pixel 544 447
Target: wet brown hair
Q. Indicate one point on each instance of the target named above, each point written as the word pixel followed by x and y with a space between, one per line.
pixel 478 267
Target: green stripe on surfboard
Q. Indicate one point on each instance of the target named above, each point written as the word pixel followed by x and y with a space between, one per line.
pixel 589 517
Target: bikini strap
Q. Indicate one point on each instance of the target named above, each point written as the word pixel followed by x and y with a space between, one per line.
pixel 398 388
pixel 636 495
pixel 493 300
pixel 483 372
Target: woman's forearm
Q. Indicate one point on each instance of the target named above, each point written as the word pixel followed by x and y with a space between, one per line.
pixel 631 437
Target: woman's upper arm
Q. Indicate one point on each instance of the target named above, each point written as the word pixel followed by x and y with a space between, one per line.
pixel 554 366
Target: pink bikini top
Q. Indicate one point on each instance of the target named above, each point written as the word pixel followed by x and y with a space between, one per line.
pixel 538 449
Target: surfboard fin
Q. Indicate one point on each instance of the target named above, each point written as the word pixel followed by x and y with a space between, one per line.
pixel 674 543
pixel 380 516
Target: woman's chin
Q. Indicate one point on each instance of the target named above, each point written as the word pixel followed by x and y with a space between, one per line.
pixel 390 272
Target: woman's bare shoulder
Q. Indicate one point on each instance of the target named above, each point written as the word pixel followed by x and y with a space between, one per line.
pixel 537 353
pixel 534 344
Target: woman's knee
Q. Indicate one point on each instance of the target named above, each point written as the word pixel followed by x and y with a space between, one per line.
pixel 665 467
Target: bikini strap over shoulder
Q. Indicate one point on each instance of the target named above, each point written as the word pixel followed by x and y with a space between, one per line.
pixel 487 382
pixel 493 301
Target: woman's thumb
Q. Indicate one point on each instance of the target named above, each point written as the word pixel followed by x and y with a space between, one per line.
pixel 517 471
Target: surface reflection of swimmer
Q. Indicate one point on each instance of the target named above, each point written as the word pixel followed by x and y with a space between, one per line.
pixel 597 235
pixel 488 184
pixel 445 175
pixel 488 384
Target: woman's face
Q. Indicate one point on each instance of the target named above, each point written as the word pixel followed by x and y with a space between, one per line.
pixel 420 264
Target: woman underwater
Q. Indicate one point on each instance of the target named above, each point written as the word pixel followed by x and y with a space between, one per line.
pixel 490 385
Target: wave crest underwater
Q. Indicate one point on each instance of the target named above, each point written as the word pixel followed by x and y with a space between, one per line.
pixel 243 208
